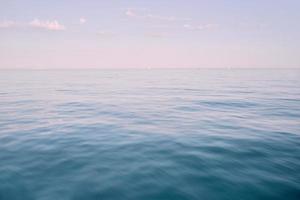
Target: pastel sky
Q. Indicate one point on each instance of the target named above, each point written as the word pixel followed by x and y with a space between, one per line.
pixel 149 33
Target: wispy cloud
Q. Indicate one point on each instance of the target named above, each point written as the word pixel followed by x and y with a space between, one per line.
pixel 158 35
pixel 8 24
pixel 82 20
pixel 137 13
pixel 200 27
pixel 166 18
pixel 131 13
pixel 48 25
pixel 105 33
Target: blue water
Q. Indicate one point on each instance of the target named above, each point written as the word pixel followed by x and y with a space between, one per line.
pixel 149 134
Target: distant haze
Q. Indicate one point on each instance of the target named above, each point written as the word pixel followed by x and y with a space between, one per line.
pixel 149 34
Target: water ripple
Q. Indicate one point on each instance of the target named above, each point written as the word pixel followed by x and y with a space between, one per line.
pixel 153 134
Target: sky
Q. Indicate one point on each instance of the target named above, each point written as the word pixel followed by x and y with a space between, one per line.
pixel 149 34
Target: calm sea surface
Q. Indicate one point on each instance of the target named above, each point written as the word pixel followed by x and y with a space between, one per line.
pixel 150 134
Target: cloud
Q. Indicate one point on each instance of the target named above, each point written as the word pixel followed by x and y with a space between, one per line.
pixel 166 18
pixel 158 17
pixel 48 25
pixel 158 35
pixel 200 27
pixel 130 13
pixel 137 13
pixel 82 20
pixel 8 24
pixel 105 33
pixel 36 23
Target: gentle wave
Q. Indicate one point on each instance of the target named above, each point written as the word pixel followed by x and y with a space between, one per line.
pixel 150 134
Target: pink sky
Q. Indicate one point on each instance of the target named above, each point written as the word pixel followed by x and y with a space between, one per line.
pixel 149 34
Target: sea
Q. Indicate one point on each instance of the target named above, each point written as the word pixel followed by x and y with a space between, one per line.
pixel 150 134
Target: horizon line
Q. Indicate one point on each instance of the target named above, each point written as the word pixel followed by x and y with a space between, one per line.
pixel 146 68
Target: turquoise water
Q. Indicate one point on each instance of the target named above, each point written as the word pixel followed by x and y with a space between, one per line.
pixel 150 134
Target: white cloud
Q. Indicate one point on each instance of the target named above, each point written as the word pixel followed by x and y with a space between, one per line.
pixel 8 24
pixel 82 20
pixel 200 27
pixel 48 25
pixel 36 23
